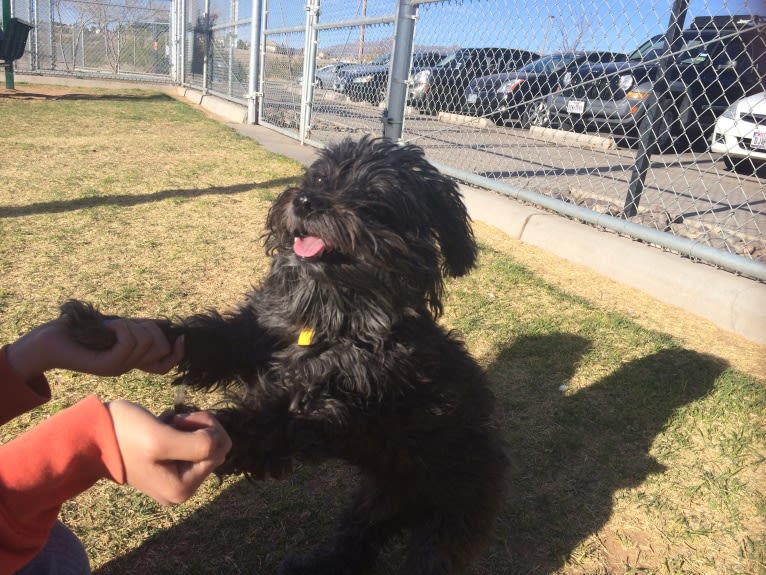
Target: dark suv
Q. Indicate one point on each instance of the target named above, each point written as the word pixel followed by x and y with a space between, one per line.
pixel 718 60
pixel 442 86
pixel 521 93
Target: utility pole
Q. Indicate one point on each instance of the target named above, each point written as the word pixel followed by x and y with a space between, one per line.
pixel 360 48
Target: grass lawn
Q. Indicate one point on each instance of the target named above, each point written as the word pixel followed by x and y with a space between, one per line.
pixel 638 432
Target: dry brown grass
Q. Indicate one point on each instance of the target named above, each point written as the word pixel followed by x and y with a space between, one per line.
pixel 634 451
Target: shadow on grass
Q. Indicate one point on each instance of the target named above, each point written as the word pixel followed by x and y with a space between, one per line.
pixel 23 95
pixel 571 451
pixel 135 199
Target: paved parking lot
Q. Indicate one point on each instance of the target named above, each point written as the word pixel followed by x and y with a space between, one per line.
pixel 688 193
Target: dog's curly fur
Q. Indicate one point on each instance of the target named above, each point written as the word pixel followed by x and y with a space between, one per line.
pixel 359 252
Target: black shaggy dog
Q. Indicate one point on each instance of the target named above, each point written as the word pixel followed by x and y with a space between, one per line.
pixel 338 355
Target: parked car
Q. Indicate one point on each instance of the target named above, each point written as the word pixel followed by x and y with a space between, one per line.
pixel 716 62
pixel 341 78
pixel 739 134
pixel 442 87
pixel 371 83
pixel 521 94
pixel 324 77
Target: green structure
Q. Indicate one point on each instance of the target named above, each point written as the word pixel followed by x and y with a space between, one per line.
pixel 8 65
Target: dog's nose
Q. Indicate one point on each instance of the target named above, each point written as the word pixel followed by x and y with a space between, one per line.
pixel 302 203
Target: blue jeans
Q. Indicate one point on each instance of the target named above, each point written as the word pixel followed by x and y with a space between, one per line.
pixel 63 554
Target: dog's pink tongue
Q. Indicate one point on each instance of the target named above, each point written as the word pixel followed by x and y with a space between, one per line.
pixel 309 246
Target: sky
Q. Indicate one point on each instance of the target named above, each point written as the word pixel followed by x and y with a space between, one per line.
pixel 538 25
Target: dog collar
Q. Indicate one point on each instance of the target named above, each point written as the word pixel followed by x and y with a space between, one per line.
pixel 306 336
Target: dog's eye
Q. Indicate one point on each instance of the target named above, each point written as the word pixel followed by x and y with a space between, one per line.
pixel 318 180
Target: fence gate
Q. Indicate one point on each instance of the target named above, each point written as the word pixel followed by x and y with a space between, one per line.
pixel 331 36
pixel 126 40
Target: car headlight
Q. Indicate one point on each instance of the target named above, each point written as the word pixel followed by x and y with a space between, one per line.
pixel 626 82
pixel 422 77
pixel 637 94
pixel 509 86
pixel 566 80
pixel 363 79
pixel 730 112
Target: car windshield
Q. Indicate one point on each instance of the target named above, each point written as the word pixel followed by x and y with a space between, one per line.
pixel 548 64
pixel 692 51
pixel 448 60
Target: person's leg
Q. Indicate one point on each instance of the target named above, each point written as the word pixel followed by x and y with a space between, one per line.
pixel 63 554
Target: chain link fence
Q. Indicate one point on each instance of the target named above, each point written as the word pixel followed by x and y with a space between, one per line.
pixel 127 39
pixel 645 118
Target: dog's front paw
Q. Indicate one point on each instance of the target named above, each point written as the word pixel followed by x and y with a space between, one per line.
pixel 85 324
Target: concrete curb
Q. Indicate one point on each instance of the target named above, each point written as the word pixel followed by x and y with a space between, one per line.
pixel 573 138
pixel 731 302
pixel 231 111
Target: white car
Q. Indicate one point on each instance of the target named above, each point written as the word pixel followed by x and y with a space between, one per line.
pixel 740 132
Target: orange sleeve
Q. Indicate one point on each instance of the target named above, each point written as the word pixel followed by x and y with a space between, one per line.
pixel 18 395
pixel 44 467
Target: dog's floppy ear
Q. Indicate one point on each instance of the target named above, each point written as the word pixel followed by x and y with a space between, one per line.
pixel 451 224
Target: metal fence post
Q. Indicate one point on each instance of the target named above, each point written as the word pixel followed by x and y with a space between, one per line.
pixel 404 35
pixel 34 17
pixel 51 35
pixel 256 47
pixel 309 68
pixel 650 122
pixel 206 77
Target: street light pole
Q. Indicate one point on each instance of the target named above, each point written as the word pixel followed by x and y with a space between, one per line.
pixel 548 23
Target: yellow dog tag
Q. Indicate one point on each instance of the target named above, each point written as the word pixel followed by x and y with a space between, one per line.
pixel 306 337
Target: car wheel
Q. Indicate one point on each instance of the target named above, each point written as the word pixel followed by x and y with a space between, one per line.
pixel 498 118
pixel 378 96
pixel 536 114
pixel 742 165
pixel 567 125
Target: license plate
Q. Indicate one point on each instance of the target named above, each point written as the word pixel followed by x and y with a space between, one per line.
pixel 575 106
pixel 759 140
pixel 471 99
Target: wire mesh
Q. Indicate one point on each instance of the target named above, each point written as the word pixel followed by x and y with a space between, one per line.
pixel 556 98
pixel 282 73
pixel 130 38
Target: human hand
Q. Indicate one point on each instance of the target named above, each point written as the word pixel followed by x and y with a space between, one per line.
pixel 168 462
pixel 140 345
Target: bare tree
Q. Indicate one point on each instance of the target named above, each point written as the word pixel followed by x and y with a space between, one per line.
pixel 572 29
pixel 114 23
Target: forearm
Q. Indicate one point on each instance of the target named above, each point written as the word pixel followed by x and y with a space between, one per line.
pixel 49 464
pixel 222 349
